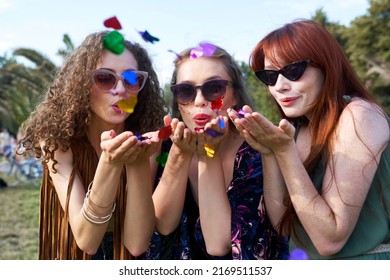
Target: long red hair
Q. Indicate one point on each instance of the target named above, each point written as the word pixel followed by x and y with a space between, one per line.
pixel 306 39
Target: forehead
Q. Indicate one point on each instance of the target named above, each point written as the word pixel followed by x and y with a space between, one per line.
pixel 200 69
pixel 124 61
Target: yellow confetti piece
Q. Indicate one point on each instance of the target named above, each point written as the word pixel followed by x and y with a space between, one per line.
pixel 128 105
pixel 209 150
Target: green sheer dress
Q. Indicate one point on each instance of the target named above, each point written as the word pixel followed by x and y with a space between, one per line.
pixel 371 236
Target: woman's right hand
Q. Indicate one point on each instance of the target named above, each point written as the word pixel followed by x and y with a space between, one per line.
pixel 119 149
pixel 181 136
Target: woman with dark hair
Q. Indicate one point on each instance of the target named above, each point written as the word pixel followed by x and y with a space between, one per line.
pixel 209 199
pixel 96 201
pixel 326 164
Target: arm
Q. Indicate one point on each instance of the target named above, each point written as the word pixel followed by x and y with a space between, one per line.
pixel 360 138
pixel 214 206
pixel 169 195
pixel 140 215
pixel 103 188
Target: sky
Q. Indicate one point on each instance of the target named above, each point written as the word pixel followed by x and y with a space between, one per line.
pixel 236 26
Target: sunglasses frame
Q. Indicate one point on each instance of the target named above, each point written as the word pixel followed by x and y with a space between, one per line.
pixel 283 71
pixel 144 74
pixel 174 88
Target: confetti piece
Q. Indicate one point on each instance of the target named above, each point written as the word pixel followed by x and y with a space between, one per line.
pixel 196 53
pixel 147 37
pixel 209 150
pixel 165 132
pixel 213 132
pixel 204 49
pixel 216 104
pixel 208 49
pixel 112 22
pixel 128 105
pixel 241 113
pixel 221 123
pixel 298 254
pixel 140 137
pixel 179 57
pixel 130 76
pixel 162 158
pixel 114 42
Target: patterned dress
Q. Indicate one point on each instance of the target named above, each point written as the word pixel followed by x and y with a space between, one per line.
pixel 252 235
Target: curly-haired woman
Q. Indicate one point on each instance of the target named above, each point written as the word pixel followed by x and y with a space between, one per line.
pixel 96 201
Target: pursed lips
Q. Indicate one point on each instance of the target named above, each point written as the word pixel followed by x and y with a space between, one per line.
pixel 201 119
pixel 286 101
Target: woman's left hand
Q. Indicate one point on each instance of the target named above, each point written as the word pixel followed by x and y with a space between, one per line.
pixel 262 134
pixel 212 135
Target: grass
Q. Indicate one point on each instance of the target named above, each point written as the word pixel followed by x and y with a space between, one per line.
pixel 19 214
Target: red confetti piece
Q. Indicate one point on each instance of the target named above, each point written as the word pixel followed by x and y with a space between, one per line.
pixel 165 132
pixel 216 104
pixel 113 22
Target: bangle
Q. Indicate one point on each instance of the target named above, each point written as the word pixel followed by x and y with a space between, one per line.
pixel 92 216
pixel 87 195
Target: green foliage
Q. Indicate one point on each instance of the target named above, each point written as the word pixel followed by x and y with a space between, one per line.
pixel 69 47
pixel 368 48
pixel 262 99
pixel 22 86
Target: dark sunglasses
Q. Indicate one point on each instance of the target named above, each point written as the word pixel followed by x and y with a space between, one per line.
pixel 293 72
pixel 106 80
pixel 185 93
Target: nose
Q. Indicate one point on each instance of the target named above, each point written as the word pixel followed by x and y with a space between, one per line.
pixel 282 83
pixel 120 87
pixel 200 101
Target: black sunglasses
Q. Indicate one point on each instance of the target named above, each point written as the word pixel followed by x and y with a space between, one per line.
pixel 293 72
pixel 106 80
pixel 185 93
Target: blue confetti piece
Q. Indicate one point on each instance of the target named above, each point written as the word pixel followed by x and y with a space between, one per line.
pixel 130 76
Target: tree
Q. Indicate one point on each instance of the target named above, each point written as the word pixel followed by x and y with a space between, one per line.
pixel 23 85
pixel 368 48
pixel 263 101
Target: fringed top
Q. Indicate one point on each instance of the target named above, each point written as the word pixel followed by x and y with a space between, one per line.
pixel 56 240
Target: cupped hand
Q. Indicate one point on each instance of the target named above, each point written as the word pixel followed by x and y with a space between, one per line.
pixel 261 133
pixel 213 138
pixel 121 148
pixel 182 137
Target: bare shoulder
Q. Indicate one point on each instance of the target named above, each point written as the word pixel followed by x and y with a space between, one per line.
pixel 366 121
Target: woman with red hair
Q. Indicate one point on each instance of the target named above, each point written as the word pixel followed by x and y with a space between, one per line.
pixel 327 163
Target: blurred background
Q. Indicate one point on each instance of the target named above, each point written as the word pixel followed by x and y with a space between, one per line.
pixel 37 35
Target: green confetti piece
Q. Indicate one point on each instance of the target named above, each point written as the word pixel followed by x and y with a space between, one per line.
pixel 114 42
pixel 162 158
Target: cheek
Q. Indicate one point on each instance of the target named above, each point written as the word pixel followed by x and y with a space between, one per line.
pixel 185 113
pixel 229 101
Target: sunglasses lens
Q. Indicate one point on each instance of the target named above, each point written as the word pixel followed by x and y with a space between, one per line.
pixel 212 90
pixel 294 71
pixel 183 93
pixel 136 84
pixel 104 80
pixel 268 77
